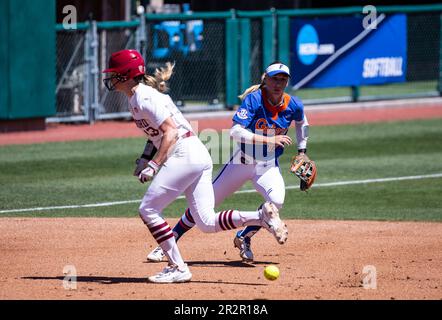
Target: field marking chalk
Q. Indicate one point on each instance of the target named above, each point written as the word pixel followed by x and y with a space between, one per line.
pixel 318 185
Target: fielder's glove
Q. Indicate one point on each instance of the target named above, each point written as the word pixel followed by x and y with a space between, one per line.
pixel 304 169
pixel 148 173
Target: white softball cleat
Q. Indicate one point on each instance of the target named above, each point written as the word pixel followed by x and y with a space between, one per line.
pixel 172 274
pixel 272 222
pixel 156 255
pixel 243 244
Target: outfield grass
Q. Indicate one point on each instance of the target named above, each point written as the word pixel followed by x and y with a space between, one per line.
pixel 391 89
pixel 74 173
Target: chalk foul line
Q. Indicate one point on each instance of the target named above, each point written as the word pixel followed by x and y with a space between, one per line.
pixel 317 185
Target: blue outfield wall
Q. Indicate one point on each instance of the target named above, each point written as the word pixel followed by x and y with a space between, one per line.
pixel 332 52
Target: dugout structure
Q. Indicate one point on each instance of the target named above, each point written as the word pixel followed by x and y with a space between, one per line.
pixel 27 64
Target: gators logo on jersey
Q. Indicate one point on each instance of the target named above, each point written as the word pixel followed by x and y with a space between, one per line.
pixel 242 114
pixel 263 126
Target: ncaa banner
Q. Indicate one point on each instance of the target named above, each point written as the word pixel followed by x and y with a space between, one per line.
pixel 333 52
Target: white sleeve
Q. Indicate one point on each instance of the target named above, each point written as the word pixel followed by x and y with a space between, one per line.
pixel 302 133
pixel 155 108
pixel 241 134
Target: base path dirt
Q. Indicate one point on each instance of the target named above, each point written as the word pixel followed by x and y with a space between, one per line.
pixel 321 260
pixel 126 129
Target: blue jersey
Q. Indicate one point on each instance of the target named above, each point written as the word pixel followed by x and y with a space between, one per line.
pixel 258 116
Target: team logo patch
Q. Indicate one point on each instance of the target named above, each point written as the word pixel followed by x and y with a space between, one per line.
pixel 242 114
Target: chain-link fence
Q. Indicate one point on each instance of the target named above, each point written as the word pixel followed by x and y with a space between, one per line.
pixel 217 55
pixel 70 75
pixel 197 47
pixel 256 60
pixel 112 104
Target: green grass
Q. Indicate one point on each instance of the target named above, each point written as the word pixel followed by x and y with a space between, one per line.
pixel 399 88
pixel 74 173
pixel 392 89
pixel 322 93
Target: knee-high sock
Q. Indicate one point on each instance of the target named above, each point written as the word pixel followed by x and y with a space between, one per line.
pixel 163 234
pixel 184 224
pixel 251 229
pixel 232 219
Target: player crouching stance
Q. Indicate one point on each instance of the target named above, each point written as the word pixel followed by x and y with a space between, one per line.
pixel 181 164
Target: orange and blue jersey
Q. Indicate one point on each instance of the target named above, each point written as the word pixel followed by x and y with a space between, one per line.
pixel 257 115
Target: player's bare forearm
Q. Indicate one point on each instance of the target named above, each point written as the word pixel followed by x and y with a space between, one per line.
pixel 169 139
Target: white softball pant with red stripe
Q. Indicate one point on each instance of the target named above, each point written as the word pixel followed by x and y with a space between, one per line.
pixel 188 170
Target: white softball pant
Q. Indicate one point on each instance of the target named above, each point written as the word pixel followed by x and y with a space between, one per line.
pixel 189 170
pixel 266 179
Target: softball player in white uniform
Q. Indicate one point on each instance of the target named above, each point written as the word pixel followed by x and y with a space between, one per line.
pixel 266 110
pixel 182 164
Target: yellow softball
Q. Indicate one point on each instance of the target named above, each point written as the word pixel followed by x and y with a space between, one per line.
pixel 271 272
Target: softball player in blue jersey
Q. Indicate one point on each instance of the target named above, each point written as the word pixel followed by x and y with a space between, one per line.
pixel 260 127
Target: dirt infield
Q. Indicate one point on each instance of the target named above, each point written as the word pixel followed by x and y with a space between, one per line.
pixel 321 260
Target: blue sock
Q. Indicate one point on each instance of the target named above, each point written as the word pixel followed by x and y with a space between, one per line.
pixel 249 231
pixel 178 231
pixel 181 227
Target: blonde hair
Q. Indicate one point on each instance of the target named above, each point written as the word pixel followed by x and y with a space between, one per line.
pixel 256 86
pixel 159 78
pixel 253 88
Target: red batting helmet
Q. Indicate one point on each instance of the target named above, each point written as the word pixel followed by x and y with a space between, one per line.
pixel 127 63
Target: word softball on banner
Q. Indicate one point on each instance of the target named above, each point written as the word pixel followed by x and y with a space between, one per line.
pixel 342 51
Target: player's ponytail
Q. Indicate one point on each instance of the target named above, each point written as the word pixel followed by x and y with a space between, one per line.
pixel 252 88
pixel 158 80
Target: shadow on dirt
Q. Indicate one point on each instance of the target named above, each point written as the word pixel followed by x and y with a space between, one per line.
pixel 119 280
pixel 97 279
pixel 230 264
